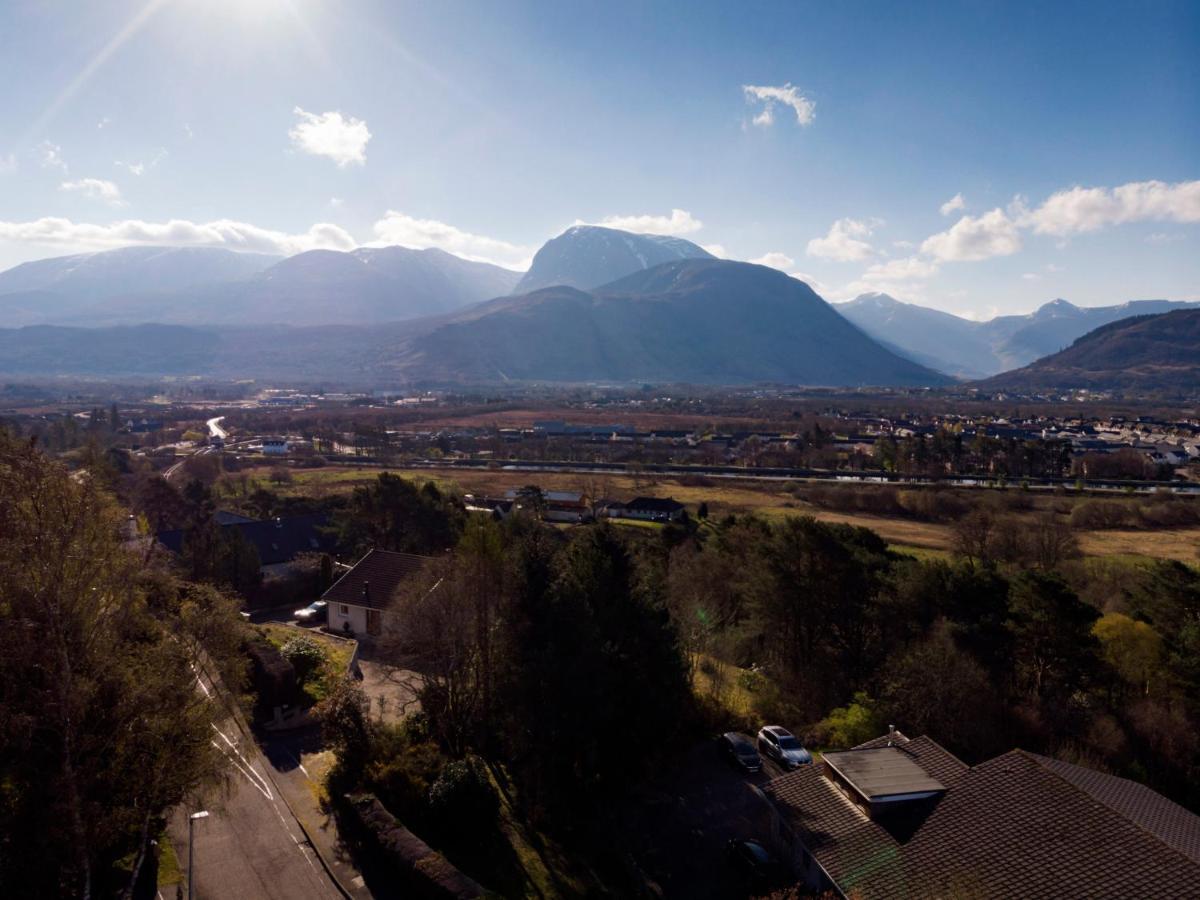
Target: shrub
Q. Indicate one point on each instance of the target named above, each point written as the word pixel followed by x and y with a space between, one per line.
pixel 305 655
pixel 1101 514
pixel 462 797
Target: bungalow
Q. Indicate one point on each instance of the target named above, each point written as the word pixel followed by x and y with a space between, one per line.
pixel 357 602
pixel 275 446
pixel 654 509
pixel 896 817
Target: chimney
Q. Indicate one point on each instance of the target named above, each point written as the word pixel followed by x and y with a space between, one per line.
pixel 891 735
pixel 366 592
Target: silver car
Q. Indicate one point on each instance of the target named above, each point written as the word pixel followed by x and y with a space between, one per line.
pixel 310 613
pixel 781 745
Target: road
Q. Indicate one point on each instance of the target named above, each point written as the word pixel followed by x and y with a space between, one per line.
pixel 215 430
pixel 250 846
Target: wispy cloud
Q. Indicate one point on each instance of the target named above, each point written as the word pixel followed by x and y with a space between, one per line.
pixel 143 166
pixel 844 242
pixel 50 156
pixel 96 188
pixel 8 164
pixel 176 232
pixel 408 231
pixel 770 96
pixel 330 134
pixel 680 221
pixel 953 205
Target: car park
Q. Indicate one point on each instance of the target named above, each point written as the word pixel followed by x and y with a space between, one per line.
pixel 739 750
pixel 782 746
pixel 311 613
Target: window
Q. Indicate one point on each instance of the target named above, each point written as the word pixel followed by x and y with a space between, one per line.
pixel 343 610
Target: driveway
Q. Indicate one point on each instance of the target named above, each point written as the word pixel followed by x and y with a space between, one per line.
pixel 681 822
pixel 391 690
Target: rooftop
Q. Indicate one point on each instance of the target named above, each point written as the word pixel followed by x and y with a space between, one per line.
pixel 883 773
pixel 373 580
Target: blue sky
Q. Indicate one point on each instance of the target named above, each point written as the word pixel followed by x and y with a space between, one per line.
pixel 829 140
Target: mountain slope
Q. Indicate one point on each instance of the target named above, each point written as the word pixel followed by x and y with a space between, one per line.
pixel 203 286
pixel 68 285
pixel 1146 353
pixel 978 349
pixel 701 321
pixel 588 256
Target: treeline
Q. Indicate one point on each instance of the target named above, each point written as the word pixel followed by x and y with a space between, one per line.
pixel 102 729
pixel 566 665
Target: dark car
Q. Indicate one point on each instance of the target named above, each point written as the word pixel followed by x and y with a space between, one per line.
pixel 752 861
pixel 739 750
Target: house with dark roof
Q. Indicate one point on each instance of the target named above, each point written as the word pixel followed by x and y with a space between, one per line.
pixel 905 818
pixel 654 509
pixel 277 541
pixel 357 602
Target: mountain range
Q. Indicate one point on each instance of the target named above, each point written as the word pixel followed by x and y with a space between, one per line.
pixel 971 349
pixel 597 304
pixel 1146 353
pixel 214 286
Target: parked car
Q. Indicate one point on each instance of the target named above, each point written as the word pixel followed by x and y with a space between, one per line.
pixel 781 745
pixel 752 861
pixel 739 750
pixel 310 613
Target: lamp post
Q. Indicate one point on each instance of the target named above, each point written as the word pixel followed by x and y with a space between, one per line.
pixel 203 814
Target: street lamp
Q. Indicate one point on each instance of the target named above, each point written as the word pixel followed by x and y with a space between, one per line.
pixel 203 814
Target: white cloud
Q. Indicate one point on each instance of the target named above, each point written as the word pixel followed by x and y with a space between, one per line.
pixel 140 168
pixel 176 232
pixel 336 202
pixel 1031 276
pixel 398 228
pixel 1078 209
pixel 187 131
pixel 103 123
pixel 680 221
pixel 717 250
pixel 50 156
pixel 775 260
pixel 8 164
pixel 95 188
pixel 813 282
pixel 954 204
pixel 340 138
pixel 844 242
pixel 975 238
pixel 769 96
pixel 909 268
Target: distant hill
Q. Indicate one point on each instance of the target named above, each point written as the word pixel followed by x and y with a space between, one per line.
pixel 588 256
pixel 67 285
pixel 702 321
pixel 696 320
pixel 976 349
pixel 1148 353
pixel 206 286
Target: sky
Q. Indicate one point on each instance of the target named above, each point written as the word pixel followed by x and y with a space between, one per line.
pixel 977 157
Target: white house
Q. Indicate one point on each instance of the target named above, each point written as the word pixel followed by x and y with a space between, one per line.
pixel 357 603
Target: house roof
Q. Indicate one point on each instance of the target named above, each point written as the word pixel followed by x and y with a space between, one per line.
pixel 1012 826
pixel 277 540
pixel 373 580
pixel 880 773
pixel 654 504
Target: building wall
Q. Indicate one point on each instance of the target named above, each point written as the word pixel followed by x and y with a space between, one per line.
pixel 355 615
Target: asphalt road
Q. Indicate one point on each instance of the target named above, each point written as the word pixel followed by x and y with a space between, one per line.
pixel 250 846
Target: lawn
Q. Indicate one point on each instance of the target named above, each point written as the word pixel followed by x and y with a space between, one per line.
pixel 337 653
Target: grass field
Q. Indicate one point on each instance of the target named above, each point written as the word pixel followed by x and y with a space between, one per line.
pixel 727 497
pixel 337 656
